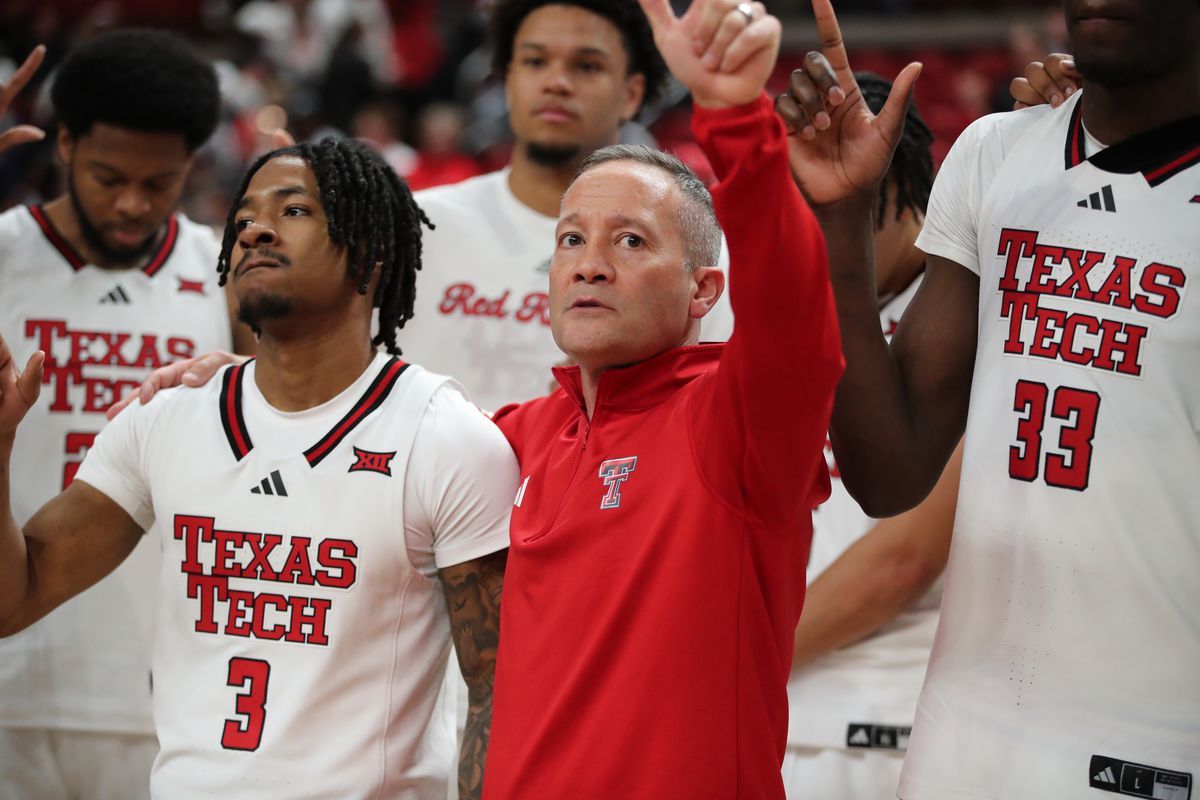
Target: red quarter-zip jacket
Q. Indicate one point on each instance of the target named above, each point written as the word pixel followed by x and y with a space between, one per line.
pixel 656 570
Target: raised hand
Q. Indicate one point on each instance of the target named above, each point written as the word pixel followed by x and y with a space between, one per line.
pixel 18 390
pixel 839 150
pixel 723 51
pixel 22 133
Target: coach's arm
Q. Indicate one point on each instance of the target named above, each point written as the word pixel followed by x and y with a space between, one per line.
pixel 473 592
pixel 70 543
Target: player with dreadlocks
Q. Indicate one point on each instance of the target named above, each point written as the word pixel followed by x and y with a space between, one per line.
pixel 327 513
pixel 873 594
pixel 371 214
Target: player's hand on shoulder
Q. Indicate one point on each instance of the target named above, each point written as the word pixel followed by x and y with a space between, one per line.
pixel 18 389
pixel 1051 81
pixel 838 149
pixel 722 50
pixel 188 372
pixel 21 134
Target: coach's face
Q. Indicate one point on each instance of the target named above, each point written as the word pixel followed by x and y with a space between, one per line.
pixel 619 292
pixel 568 85
pixel 1120 42
pixel 283 262
pixel 123 185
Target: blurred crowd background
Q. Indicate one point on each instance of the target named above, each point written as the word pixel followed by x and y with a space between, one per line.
pixel 412 78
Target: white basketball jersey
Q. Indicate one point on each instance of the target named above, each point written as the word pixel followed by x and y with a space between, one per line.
pixel 482 312
pixel 1067 659
pixel 87 665
pixel 862 695
pixel 302 632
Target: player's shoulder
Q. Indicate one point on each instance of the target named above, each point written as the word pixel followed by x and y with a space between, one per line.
pixel 178 402
pixel 15 220
pixel 453 430
pixel 463 214
pixel 197 238
pixel 995 136
pixel 466 195
pixel 450 411
pixel 16 226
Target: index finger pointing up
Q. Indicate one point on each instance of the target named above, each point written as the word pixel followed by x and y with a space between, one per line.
pixel 831 42
pixel 659 13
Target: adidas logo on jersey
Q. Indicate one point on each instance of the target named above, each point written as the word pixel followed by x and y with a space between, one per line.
pixel 1100 201
pixel 117 295
pixel 273 480
pixel 1138 780
pixel 877 737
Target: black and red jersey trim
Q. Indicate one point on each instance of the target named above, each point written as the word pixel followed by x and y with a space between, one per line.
pixel 1173 168
pixel 164 252
pixel 78 262
pixel 1159 154
pixel 239 437
pixel 1076 152
pixel 56 239
pixel 372 399
pixel 231 412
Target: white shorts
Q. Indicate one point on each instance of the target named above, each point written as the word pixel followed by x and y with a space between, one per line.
pixel 41 764
pixel 826 773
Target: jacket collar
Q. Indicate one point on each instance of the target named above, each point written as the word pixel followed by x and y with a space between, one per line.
pixel 646 383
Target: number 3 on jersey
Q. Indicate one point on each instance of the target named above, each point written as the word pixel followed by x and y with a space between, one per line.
pixel 1078 410
pixel 250 674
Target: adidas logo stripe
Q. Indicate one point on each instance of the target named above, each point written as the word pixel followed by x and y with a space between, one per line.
pixel 1100 201
pixel 1105 776
pixel 117 295
pixel 271 485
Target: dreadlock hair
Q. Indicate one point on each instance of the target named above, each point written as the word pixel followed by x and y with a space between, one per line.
pixel 626 15
pixel 142 80
pixel 912 166
pixel 371 214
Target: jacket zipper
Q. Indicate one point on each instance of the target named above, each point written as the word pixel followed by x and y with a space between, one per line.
pixel 587 432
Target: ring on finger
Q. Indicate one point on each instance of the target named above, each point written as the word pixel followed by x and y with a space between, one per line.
pixel 746 10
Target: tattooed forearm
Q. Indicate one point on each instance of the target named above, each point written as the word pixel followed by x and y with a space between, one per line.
pixel 473 593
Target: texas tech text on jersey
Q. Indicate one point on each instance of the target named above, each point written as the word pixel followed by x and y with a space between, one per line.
pixel 246 555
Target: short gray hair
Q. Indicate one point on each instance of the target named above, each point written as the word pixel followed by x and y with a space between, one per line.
pixel 697 220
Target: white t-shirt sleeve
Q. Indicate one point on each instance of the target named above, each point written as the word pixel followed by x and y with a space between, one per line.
pixel 116 463
pixel 951 219
pixel 459 487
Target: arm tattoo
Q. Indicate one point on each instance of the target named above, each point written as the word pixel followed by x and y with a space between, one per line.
pixel 473 594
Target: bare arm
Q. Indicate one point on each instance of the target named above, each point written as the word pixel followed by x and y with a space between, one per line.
pixel 75 540
pixel 72 542
pixel 898 411
pixel 473 591
pixel 899 559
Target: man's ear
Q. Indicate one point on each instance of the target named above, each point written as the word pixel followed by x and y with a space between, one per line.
pixel 64 145
pixel 708 286
pixel 635 92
